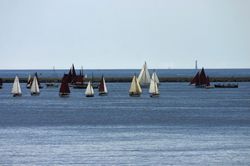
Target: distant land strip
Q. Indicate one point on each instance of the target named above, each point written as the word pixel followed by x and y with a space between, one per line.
pixel 128 79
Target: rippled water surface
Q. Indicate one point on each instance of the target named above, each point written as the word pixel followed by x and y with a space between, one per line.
pixel 184 126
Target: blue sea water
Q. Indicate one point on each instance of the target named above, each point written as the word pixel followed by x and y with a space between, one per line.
pixel 184 126
pixel 129 73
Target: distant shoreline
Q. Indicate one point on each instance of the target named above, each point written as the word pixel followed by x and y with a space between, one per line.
pixel 128 79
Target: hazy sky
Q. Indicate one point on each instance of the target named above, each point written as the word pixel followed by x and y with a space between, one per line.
pixel 108 34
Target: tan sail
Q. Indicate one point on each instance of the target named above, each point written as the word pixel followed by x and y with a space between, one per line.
pixel 135 88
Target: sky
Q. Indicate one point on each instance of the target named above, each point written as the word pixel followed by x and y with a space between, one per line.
pixel 122 34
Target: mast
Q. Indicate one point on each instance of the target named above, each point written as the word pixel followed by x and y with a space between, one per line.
pixel 16 89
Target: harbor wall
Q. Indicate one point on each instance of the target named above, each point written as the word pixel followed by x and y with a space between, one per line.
pixel 128 79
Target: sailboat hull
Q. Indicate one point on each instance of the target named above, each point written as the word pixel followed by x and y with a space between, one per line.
pixel 103 94
pixel 134 94
pixel 17 95
pixel 64 94
pixel 89 95
pixel 154 95
pixel 35 94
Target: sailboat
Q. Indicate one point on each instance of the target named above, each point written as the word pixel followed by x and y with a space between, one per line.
pixel 135 88
pixel 1 83
pixel 64 88
pixel 16 89
pixel 144 76
pixel 153 88
pixel 89 90
pixel 40 86
pixel 35 87
pixel 29 82
pixel 155 78
pixel 102 87
pixel 201 80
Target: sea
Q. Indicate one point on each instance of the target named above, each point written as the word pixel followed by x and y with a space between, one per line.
pixel 183 126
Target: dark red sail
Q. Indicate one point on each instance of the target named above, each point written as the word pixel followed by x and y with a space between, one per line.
pixel 202 77
pixel 195 80
pixel 101 86
pixel 64 89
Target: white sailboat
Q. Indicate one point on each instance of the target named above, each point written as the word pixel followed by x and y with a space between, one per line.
pixel 35 87
pixel 144 76
pixel 135 88
pixel 29 82
pixel 153 88
pixel 102 87
pixel 16 89
pixel 89 90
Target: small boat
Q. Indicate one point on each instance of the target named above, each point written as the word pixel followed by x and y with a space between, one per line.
pixel 229 85
pixel 16 89
pixel 1 83
pixel 144 76
pixel 64 88
pixel 156 78
pixel 201 80
pixel 35 91
pixel 89 90
pixel 52 84
pixel 135 88
pixel 103 88
pixel 29 82
pixel 153 88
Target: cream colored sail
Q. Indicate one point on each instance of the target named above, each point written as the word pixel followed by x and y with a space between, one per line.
pixel 16 89
pixel 155 77
pixel 89 89
pixel 144 76
pixel 135 86
pixel 105 87
pixel 153 88
pixel 35 87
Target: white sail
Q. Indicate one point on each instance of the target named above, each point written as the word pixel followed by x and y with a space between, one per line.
pixel 16 89
pixel 135 86
pixel 144 76
pixel 155 78
pixel 29 78
pixel 105 87
pixel 89 89
pixel 35 87
pixel 153 88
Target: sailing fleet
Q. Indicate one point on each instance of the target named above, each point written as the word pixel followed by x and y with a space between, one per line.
pixel 200 80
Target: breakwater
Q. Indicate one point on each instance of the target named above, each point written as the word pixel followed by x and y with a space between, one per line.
pixel 128 79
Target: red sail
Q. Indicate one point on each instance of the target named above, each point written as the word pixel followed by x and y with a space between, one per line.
pixel 195 80
pixel 101 85
pixel 64 85
pixel 202 77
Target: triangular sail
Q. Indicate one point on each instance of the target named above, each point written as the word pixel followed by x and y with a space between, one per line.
pixel 64 88
pixel 35 87
pixel 16 89
pixel 153 88
pixel 89 89
pixel 144 76
pixel 195 80
pixel 135 86
pixel 102 86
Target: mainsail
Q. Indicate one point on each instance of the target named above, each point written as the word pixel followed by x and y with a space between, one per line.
pixel 103 87
pixel 144 76
pixel 16 89
pixel 29 82
pixel 35 87
pixel 135 88
pixel 153 88
pixel 89 90
pixel 64 88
